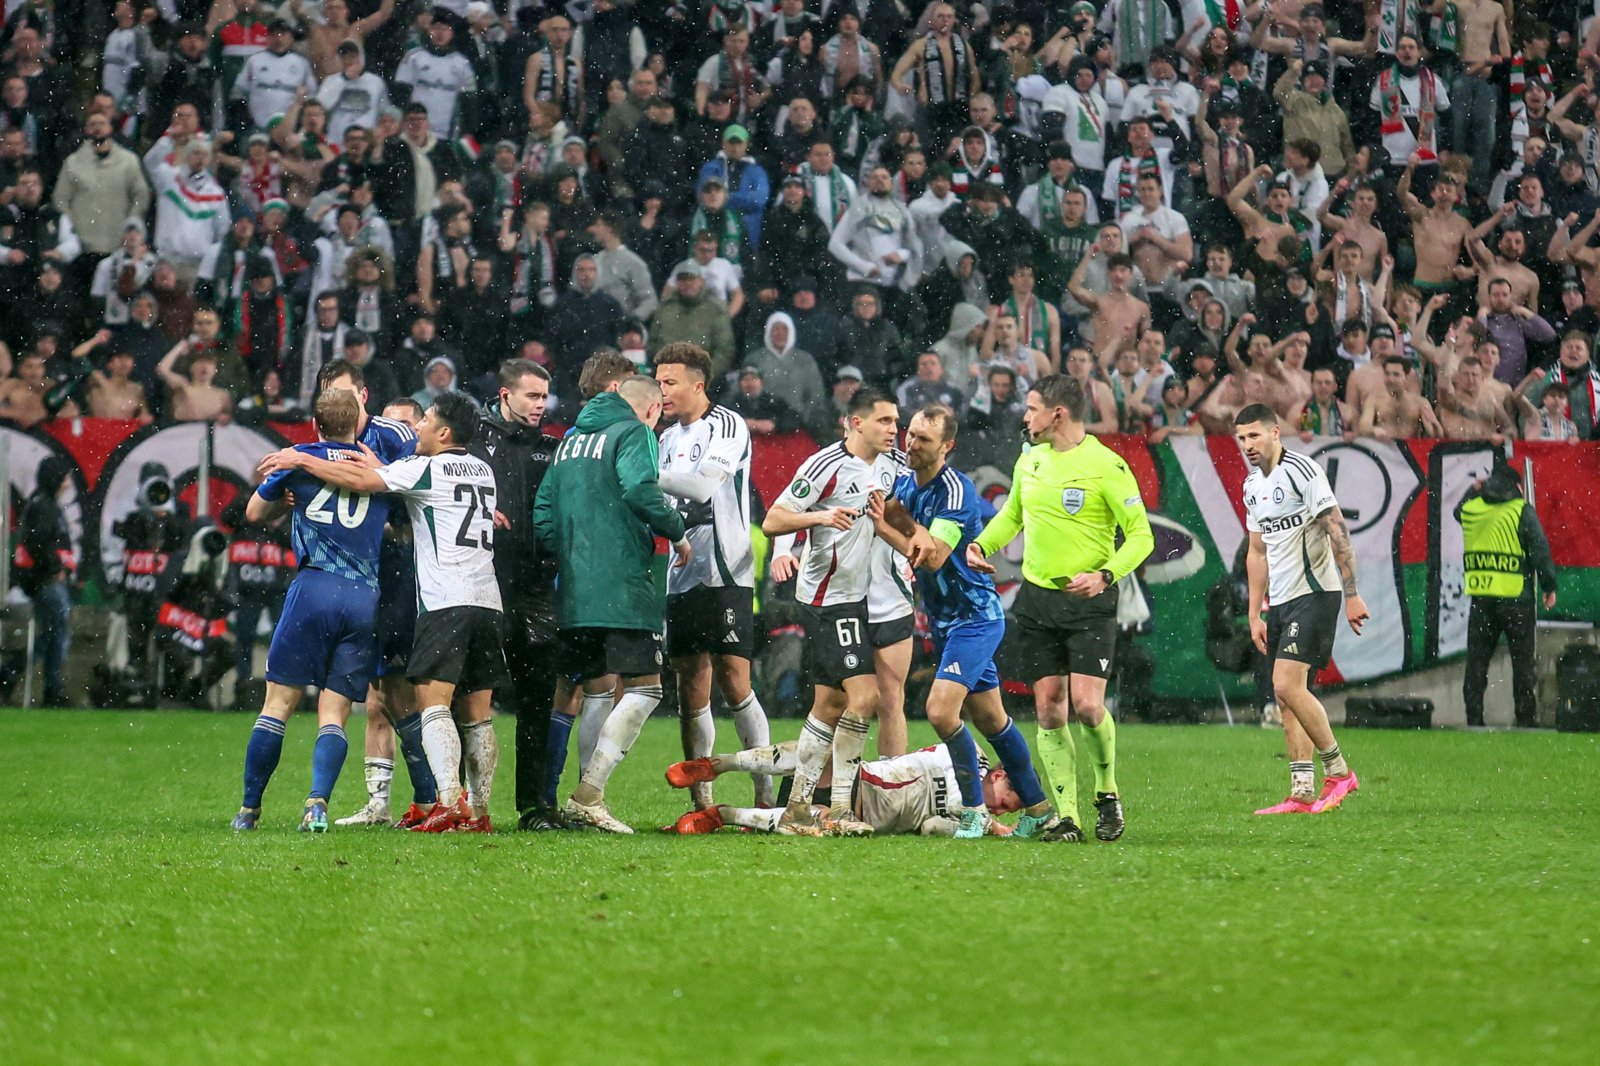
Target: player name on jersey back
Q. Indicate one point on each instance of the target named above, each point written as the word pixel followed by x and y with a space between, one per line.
pixel 451 498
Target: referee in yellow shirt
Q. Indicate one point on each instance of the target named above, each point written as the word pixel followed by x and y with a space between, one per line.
pixel 1070 494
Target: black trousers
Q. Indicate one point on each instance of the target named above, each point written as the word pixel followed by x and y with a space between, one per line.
pixel 530 661
pixel 1487 619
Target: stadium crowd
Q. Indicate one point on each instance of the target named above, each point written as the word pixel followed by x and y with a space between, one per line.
pixel 203 203
pixel 1370 220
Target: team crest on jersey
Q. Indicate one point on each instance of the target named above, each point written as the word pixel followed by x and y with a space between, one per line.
pixel 1277 495
pixel 850 660
pixel 801 489
pixel 1072 500
pixel 728 616
pixel 696 452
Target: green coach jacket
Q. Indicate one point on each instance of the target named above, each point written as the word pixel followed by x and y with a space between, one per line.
pixel 598 511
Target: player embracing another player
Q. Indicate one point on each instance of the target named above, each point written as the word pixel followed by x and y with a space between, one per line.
pixel 326 635
pixel 1300 558
pixel 456 658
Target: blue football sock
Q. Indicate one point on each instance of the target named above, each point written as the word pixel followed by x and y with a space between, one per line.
pixel 1018 762
pixel 555 755
pixel 261 758
pixel 327 759
pixel 424 791
pixel 964 754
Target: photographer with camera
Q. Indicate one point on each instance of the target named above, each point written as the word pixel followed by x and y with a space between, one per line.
pixel 152 535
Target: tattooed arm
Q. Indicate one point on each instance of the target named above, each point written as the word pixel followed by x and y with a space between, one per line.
pixel 1355 609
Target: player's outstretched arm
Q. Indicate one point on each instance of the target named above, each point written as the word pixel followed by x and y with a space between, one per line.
pixel 1344 556
pixel 356 476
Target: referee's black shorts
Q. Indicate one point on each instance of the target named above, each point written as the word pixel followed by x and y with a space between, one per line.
pixel 1060 634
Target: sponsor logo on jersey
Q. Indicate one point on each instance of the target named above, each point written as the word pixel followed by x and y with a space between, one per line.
pixel 955 670
pixel 1072 500
pixel 1292 649
pixel 1105 664
pixel 1278 525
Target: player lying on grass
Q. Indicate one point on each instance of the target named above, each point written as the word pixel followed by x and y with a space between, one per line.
pixel 931 519
pixel 913 793
pixel 326 635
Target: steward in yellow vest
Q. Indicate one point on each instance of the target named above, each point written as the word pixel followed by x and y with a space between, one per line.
pixel 1505 547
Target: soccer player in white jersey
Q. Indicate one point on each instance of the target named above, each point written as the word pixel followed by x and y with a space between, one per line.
pixel 1300 558
pixel 705 470
pixel 891 622
pixel 828 497
pixel 456 660
pixel 913 793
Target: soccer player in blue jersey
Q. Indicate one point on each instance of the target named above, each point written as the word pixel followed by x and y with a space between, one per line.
pixel 392 700
pixel 326 634
pixel 931 518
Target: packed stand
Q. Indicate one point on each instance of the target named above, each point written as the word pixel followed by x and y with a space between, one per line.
pixel 205 203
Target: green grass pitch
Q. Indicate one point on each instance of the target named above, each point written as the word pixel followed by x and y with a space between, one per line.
pixel 1450 914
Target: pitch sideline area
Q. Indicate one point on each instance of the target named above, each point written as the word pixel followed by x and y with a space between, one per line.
pixel 1449 913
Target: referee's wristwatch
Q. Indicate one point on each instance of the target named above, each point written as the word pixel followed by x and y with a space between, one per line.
pixel 1108 577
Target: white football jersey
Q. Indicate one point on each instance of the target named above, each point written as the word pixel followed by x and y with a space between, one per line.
pixel 451 499
pixel 837 565
pixel 437 83
pixel 270 82
pixel 719 529
pixel 889 594
pixel 1283 506
pixel 897 795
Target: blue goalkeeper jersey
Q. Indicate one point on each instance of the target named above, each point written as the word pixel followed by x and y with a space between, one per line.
pixel 950 508
pixel 335 530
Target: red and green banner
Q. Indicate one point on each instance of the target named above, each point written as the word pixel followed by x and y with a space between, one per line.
pixel 1398 499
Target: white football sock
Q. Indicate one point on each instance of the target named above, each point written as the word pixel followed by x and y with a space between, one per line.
pixel 699 731
pixel 771 759
pixel 750 721
pixel 379 772
pixel 765 820
pixel 849 742
pixel 481 753
pixel 596 709
pixel 442 744
pixel 621 730
pixel 811 752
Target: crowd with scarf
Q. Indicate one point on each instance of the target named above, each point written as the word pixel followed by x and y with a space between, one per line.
pixel 1378 218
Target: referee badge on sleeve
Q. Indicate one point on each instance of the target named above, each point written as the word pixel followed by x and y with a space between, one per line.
pixel 1072 500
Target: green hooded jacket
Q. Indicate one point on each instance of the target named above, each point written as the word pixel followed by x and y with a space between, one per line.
pixel 598 511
